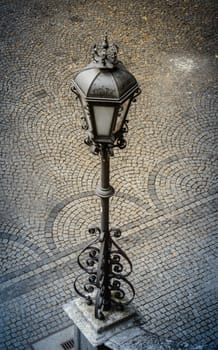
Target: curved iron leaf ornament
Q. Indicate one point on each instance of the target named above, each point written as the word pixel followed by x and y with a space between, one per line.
pixel 91 283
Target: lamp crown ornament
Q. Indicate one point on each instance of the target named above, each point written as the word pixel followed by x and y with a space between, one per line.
pixel 105 56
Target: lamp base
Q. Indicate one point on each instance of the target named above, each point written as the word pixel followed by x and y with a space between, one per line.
pixel 97 332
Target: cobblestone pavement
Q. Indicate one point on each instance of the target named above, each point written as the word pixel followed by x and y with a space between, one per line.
pixel 165 180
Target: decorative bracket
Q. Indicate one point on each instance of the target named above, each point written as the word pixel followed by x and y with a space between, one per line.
pixel 90 285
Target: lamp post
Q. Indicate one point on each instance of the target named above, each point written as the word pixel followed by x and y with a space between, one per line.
pixel 106 90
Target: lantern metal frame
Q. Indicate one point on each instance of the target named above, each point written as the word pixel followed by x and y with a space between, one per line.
pixel 105 82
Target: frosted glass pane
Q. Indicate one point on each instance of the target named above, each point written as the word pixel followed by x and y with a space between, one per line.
pixel 103 120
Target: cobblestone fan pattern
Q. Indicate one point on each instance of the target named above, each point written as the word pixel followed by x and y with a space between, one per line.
pixel 165 181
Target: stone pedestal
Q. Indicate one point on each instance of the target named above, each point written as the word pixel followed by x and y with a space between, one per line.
pixel 91 333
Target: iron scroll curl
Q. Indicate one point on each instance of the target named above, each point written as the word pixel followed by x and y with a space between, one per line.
pixel 90 284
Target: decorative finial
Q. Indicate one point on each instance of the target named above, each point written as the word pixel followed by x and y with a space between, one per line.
pixel 105 55
pixel 105 45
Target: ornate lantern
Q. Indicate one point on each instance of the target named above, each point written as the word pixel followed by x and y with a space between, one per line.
pixel 105 89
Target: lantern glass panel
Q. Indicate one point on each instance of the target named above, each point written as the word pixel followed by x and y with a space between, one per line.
pixel 121 116
pixel 103 120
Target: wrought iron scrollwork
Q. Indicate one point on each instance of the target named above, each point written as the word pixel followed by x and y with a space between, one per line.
pixel 106 268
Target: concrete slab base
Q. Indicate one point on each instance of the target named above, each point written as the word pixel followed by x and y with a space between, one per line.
pixel 98 332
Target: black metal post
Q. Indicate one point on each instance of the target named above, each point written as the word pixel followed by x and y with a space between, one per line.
pixel 106 266
pixel 104 191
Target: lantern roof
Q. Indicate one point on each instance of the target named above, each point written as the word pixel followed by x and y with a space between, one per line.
pixel 105 78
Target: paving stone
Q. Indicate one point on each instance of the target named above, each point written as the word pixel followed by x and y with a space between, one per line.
pixel 165 180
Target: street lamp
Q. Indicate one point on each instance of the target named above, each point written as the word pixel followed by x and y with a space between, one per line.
pixel 106 90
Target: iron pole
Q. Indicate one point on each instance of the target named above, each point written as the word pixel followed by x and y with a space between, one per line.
pixel 104 191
